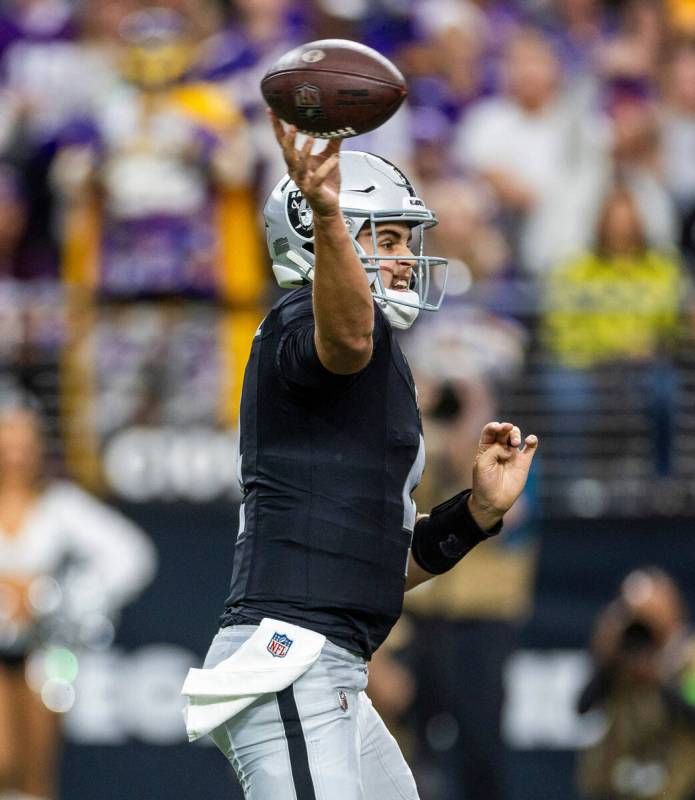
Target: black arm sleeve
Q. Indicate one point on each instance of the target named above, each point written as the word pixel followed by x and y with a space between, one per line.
pixel 441 540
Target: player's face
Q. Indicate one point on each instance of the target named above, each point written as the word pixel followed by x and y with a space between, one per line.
pixel 392 239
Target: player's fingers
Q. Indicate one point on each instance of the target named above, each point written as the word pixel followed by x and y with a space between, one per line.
pixel 289 151
pixel 514 438
pixel 278 128
pixel 307 147
pixel 496 432
pixel 288 146
pixel 489 433
pixel 299 167
pixel 530 443
pixel 528 451
pixel 331 148
pixel 325 169
pixel 504 433
pixel 497 452
pixel 302 158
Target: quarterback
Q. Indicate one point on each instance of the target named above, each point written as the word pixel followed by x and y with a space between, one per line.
pixel 330 451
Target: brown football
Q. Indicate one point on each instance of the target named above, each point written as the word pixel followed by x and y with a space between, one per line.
pixel 334 88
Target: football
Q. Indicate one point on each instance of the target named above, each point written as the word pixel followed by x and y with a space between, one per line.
pixel 334 88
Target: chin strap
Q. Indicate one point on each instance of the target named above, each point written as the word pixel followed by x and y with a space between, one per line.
pixel 399 315
pixel 290 277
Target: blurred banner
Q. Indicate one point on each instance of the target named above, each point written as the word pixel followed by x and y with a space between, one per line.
pixel 149 398
pixel 125 734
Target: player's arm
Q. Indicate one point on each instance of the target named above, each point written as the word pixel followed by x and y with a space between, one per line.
pixel 343 303
pixel 453 528
pixel 416 574
pixel 443 537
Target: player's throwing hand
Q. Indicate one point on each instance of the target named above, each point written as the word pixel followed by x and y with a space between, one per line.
pixel 500 471
pixel 318 177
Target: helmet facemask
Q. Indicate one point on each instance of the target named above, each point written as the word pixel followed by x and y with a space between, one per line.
pixel 428 273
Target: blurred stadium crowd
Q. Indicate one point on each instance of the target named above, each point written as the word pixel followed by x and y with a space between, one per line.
pixel 554 138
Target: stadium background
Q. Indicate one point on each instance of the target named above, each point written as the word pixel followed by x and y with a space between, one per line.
pixel 134 157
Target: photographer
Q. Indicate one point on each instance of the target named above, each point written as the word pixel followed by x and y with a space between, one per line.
pixel 643 681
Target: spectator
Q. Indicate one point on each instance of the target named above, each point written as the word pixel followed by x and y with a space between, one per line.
pixel 12 225
pixel 578 30
pixel 637 155
pixel 57 65
pixel 52 71
pixel 467 231
pixel 636 50
pixel 257 34
pixel 447 72
pixel 535 149
pixel 68 564
pixel 621 301
pixel 32 310
pixel 381 24
pixel 678 126
pixel 504 17
pixel 678 134
pixel 643 670
pixel 158 204
pixel 615 311
pixel 164 164
pixel 34 20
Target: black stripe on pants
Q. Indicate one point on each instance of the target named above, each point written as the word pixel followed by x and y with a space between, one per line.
pixel 299 758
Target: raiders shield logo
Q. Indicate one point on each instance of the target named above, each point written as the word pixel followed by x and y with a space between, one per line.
pixel 307 101
pixel 299 215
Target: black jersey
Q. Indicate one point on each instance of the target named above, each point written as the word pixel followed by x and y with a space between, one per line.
pixel 327 465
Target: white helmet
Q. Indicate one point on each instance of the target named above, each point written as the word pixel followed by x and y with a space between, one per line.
pixel 373 190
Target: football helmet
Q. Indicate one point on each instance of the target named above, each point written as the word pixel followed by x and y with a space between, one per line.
pixel 372 191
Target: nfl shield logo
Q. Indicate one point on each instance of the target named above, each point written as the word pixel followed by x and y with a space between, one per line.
pixel 279 645
pixel 307 101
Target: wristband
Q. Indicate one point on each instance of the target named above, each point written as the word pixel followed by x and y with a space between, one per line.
pixel 441 540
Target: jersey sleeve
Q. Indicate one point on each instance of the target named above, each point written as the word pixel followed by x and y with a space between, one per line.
pixel 298 361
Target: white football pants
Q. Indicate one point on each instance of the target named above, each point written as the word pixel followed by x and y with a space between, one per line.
pixel 319 739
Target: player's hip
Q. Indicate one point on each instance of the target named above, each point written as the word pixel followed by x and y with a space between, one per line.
pixel 335 665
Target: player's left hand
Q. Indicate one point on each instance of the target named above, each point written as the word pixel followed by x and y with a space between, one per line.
pixel 500 471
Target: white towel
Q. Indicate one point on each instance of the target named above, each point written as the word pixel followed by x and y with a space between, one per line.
pixel 268 661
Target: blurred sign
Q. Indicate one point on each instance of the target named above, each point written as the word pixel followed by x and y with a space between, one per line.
pixel 195 464
pixel 541 691
pixel 136 695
